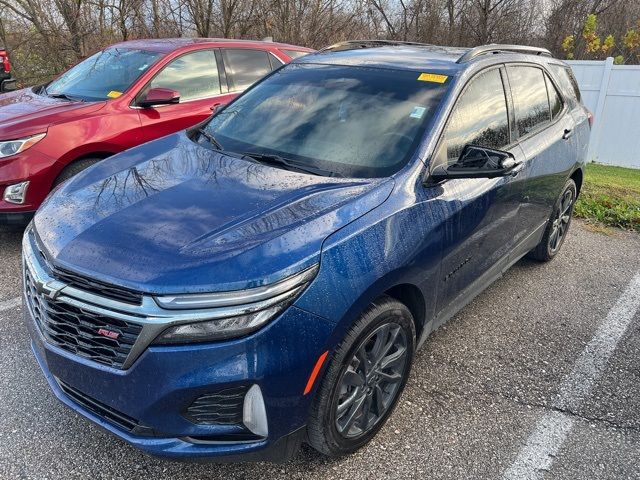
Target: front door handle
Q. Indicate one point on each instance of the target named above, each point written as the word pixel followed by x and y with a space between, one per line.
pixel 567 133
pixel 517 169
pixel 216 106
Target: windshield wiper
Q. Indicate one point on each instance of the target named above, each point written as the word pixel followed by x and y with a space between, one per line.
pixel 210 138
pixel 63 96
pixel 285 162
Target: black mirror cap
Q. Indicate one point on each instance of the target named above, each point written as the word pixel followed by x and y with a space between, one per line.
pixel 506 164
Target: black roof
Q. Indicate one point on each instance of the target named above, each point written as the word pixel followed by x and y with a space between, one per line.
pixel 410 55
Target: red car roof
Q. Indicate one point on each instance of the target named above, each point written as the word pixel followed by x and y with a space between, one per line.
pixel 167 45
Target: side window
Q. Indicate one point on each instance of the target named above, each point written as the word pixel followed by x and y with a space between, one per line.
pixel 244 67
pixel 194 75
pixel 530 99
pixel 567 81
pixel 275 61
pixel 294 53
pixel 479 117
pixel 555 102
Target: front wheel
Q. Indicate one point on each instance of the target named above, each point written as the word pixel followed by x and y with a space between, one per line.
pixel 365 379
pixel 557 226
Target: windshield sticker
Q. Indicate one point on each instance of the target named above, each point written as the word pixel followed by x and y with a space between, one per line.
pixel 432 77
pixel 114 94
pixel 417 112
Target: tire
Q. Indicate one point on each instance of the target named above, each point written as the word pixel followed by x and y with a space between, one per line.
pixel 557 226
pixel 385 322
pixel 73 169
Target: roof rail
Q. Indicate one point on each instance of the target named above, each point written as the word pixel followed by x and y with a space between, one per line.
pixel 497 48
pixel 353 44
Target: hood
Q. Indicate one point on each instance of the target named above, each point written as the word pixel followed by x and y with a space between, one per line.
pixel 24 112
pixel 173 217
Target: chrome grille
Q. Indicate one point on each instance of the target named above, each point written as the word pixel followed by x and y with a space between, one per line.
pixel 86 318
pixel 97 287
pixel 77 330
pixel 86 284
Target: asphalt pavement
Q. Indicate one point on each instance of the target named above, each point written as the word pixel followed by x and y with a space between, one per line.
pixel 539 377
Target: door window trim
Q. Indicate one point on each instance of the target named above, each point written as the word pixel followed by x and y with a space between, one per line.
pixel 134 101
pixel 254 49
pixel 552 122
pixel 507 93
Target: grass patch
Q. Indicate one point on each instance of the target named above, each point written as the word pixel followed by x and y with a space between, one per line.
pixel 610 196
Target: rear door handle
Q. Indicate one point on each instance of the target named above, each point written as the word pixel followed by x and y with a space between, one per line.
pixel 216 106
pixel 567 133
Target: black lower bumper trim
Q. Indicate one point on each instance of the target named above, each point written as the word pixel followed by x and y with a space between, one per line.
pixel 18 219
pixel 280 451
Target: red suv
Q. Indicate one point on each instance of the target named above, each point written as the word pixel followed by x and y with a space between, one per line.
pixel 125 95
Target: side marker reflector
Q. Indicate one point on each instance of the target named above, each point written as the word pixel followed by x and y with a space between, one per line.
pixel 314 373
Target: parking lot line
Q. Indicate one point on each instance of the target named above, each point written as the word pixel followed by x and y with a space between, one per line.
pixel 543 444
pixel 9 304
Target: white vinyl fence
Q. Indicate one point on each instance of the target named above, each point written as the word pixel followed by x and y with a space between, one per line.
pixel 612 93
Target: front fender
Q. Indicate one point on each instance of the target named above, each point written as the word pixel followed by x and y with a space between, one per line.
pixel 393 244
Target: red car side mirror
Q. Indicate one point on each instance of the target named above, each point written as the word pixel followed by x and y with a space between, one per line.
pixel 159 96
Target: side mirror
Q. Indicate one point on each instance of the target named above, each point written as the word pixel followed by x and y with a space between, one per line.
pixel 8 85
pixel 159 96
pixel 478 162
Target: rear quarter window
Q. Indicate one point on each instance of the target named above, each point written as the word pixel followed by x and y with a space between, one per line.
pixel 293 54
pixel 567 81
pixel 244 67
pixel 555 101
pixel 530 98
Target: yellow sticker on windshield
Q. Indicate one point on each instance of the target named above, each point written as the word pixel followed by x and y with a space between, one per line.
pixel 114 94
pixel 432 77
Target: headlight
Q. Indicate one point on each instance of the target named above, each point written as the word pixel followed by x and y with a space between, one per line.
pixel 12 147
pixel 233 314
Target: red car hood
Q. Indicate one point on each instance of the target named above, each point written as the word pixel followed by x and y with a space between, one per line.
pixel 24 113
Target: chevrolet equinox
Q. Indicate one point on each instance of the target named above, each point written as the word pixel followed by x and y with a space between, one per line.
pixel 265 277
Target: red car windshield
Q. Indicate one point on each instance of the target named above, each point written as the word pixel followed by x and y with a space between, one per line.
pixel 107 74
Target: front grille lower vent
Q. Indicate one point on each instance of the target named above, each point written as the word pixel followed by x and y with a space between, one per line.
pixel 121 420
pixel 219 408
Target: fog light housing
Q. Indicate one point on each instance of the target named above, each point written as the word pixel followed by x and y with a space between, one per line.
pixel 16 193
pixel 254 413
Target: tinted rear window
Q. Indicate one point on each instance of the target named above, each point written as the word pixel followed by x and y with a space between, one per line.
pixel 567 81
pixel 555 102
pixel 529 97
pixel 244 67
pixel 294 53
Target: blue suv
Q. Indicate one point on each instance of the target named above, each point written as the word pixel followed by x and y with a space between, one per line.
pixel 266 277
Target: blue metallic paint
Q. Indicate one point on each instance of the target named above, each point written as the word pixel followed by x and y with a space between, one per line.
pixel 181 218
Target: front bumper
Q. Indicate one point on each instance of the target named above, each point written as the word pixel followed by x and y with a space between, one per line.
pixel 149 402
pixel 164 381
pixel 17 219
pixel 32 165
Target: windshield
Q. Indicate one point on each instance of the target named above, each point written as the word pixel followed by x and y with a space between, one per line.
pixel 107 74
pixel 352 121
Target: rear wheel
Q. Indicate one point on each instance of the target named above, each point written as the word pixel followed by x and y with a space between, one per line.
pixel 365 379
pixel 557 226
